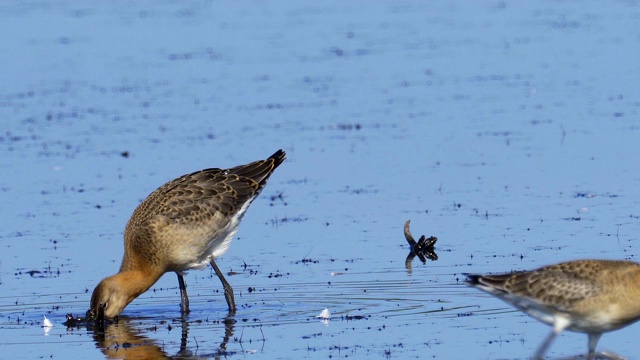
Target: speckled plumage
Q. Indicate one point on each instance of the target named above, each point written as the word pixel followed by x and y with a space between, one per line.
pixel 588 296
pixel 184 224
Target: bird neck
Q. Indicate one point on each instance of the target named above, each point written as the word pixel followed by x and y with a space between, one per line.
pixel 135 280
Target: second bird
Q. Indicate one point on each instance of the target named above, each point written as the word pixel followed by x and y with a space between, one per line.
pixel 185 224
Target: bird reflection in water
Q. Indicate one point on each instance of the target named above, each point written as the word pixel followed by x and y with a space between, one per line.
pixel 128 339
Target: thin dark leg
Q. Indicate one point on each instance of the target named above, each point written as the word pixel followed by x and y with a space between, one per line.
pixel 593 342
pixel 542 349
pixel 228 290
pixel 560 322
pixel 184 299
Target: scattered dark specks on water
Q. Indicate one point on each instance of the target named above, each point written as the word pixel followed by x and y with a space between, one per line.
pixel 277 197
pixel 46 272
pixel 347 127
pixel 276 275
pixel 349 190
pixel 307 261
pixel 574 218
pixel 279 221
pixel 423 248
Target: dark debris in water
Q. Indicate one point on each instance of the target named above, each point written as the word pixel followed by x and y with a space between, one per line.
pixel 355 317
pixel 424 248
pixel 589 195
pixel 279 198
pixel 90 321
pixel 307 261
pixel 574 218
pixel 73 321
pixel 280 221
pixel 358 191
pixel 465 314
pixel 348 127
pixel 47 272
pixel 276 275
pixel 33 272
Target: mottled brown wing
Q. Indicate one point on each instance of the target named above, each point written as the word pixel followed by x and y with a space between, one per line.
pixel 557 285
pixel 206 193
pixel 199 195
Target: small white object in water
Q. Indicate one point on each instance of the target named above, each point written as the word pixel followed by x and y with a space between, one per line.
pixel 325 314
pixel 46 323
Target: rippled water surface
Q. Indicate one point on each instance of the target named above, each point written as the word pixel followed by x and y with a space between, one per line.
pixel 509 130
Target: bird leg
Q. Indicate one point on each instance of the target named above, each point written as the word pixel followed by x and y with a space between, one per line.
pixel 184 299
pixel 560 322
pixel 542 349
pixel 228 290
pixel 593 342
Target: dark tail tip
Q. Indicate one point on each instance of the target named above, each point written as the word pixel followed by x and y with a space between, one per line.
pixel 278 157
pixel 472 279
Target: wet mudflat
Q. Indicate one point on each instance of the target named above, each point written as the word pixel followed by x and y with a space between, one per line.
pixel 509 131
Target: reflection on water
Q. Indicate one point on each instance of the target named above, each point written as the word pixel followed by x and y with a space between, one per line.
pixel 129 339
pixel 124 341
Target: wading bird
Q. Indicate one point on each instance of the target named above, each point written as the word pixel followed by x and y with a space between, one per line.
pixel 185 224
pixel 587 296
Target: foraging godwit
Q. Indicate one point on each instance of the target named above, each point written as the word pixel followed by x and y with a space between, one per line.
pixel 184 224
pixel 588 296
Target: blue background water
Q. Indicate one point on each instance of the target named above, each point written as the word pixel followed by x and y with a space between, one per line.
pixel 509 130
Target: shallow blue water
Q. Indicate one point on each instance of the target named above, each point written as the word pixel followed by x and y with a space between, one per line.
pixel 507 130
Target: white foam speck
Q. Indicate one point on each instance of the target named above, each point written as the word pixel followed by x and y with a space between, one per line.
pixel 325 314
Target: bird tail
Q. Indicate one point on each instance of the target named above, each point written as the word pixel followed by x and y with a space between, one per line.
pixel 260 170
